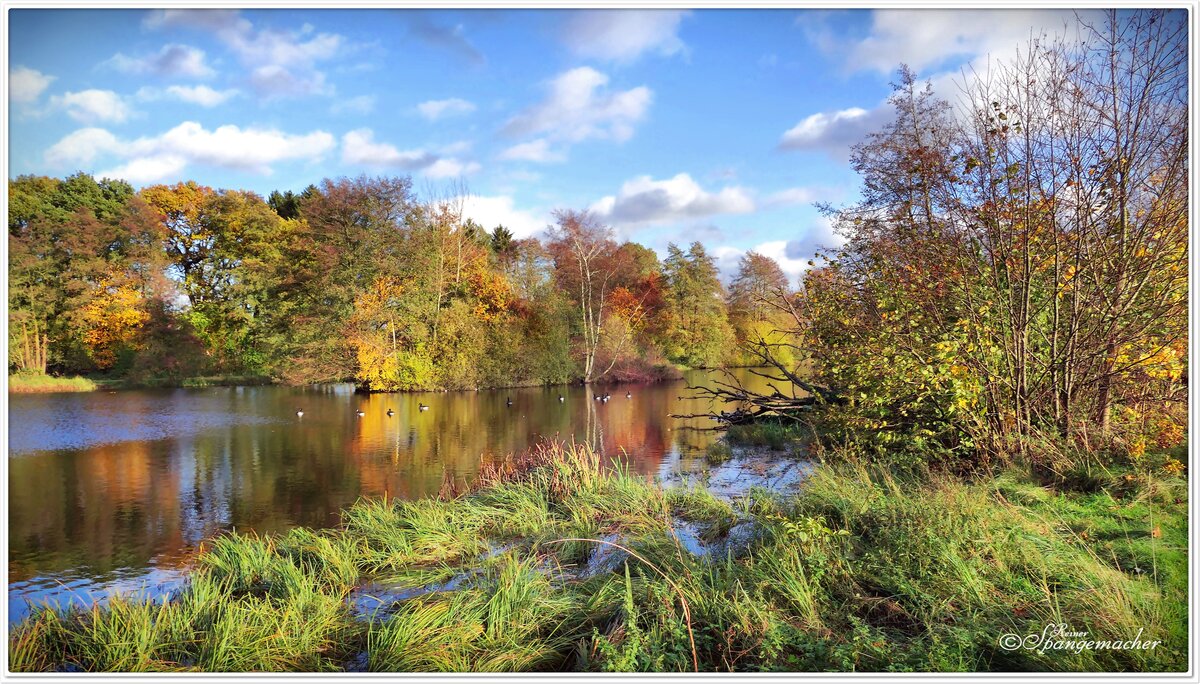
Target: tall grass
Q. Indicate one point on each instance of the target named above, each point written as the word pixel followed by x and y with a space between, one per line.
pixel 32 383
pixel 864 570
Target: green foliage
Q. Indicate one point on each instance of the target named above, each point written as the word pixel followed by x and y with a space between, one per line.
pixel 698 333
pixel 351 279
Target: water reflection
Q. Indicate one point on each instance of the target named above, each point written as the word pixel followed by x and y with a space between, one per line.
pixel 106 490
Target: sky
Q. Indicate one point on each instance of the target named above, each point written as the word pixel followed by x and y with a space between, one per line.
pixel 723 126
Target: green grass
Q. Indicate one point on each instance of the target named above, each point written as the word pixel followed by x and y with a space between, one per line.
pixel 30 383
pixel 766 433
pixel 38 382
pixel 864 570
pixel 718 452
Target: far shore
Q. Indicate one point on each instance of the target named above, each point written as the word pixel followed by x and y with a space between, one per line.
pixel 38 383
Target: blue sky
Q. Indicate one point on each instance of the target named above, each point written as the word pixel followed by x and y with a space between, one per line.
pixel 718 125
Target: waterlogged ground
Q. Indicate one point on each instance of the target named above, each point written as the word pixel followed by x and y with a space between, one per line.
pixel 751 467
pixel 114 492
pixel 555 562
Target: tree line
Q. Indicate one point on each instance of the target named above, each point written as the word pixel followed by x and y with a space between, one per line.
pixel 353 279
pixel 1015 273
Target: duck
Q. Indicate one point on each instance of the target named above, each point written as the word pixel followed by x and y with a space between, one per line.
pixel 299 413
pixel 629 395
pixel 508 402
pixel 422 407
pixel 390 413
pixel 560 398
pixel 360 413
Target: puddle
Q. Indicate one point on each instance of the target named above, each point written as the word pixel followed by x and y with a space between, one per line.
pixel 750 467
pixel 381 598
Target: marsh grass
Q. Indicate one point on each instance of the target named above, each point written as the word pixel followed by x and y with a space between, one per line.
pixel 771 434
pixel 33 383
pixel 864 570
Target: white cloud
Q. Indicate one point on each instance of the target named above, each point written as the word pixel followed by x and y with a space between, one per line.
pixel 820 236
pixel 93 106
pixel 623 35
pixel 172 60
pixel 26 85
pixel 791 255
pixel 778 250
pixel 834 132
pixel 578 107
pixel 146 170
pixel 789 196
pixel 644 199
pixel 363 104
pixel 727 259
pixel 451 168
pixel 360 148
pixel 535 151
pixel 201 95
pixel 208 19
pixel 282 63
pixel 82 147
pixel 249 149
pixel 276 80
pixel 252 149
pixel 490 212
pixel 436 109
pixel 924 38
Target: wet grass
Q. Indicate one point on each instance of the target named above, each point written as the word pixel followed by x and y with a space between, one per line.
pixel 559 563
pixel 771 434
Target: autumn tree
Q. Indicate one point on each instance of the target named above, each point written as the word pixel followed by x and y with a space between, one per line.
pixel 78 247
pixel 586 264
pixel 698 333
pixel 1017 268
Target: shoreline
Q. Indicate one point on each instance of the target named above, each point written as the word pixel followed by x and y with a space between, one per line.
pixel 554 562
pixel 51 384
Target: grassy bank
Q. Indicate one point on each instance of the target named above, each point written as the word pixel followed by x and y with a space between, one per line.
pixel 554 562
pixel 33 383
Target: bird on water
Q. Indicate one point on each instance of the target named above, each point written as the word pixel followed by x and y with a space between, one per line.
pixel 422 407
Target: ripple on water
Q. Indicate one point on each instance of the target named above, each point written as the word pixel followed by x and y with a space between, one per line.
pixel 82 589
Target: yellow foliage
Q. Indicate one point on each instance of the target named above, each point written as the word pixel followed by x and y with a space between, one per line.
pixel 113 318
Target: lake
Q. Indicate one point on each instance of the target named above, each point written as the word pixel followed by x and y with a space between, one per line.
pixel 114 491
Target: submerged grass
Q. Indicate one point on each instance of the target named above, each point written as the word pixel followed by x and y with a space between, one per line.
pixel 562 564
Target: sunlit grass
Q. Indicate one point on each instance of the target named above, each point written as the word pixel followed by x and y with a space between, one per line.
pixel 32 383
pixel 864 570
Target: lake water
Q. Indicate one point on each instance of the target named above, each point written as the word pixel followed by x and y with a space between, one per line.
pixel 114 492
